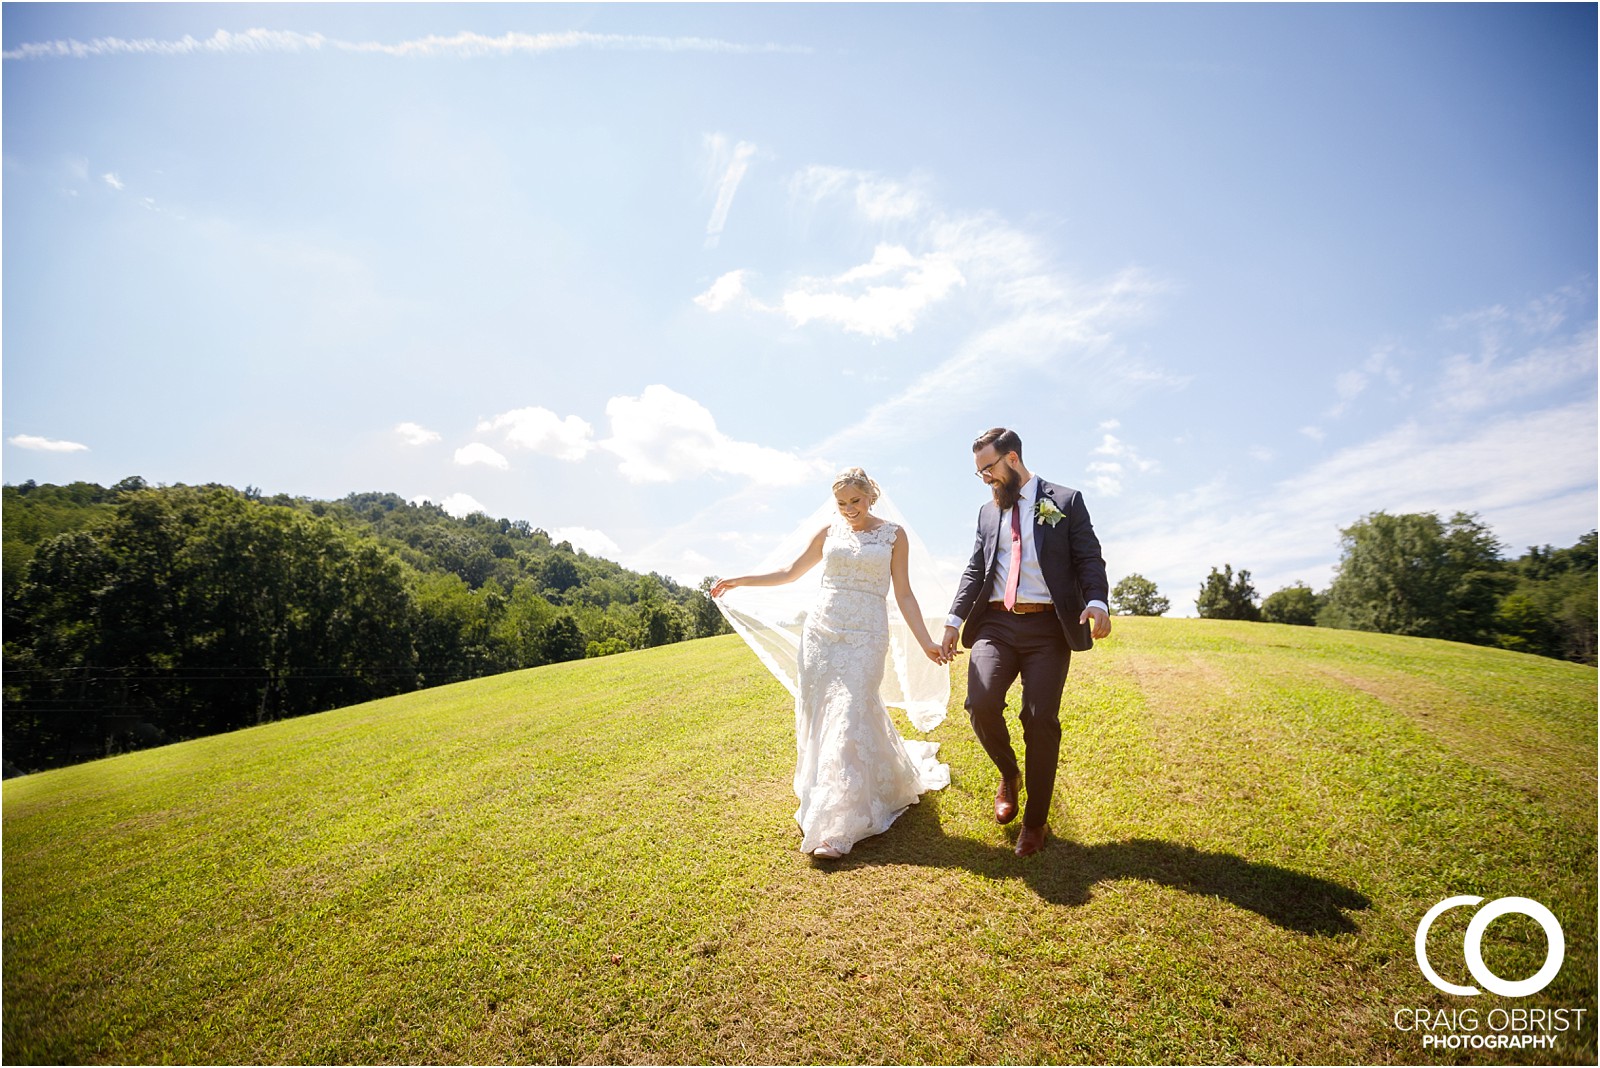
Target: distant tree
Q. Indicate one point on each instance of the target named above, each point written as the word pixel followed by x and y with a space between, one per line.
pixel 1577 619
pixel 52 647
pixel 452 630
pixel 465 554
pixel 175 611
pixel 562 640
pixel 661 623
pixel 1551 611
pixel 606 648
pixel 1138 596
pixel 34 514
pixel 193 611
pixel 1226 596
pixel 560 571
pixel 1295 604
pixel 1416 574
pixel 1523 624
pixel 707 617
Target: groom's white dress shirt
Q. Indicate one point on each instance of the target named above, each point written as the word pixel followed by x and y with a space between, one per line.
pixel 1031 588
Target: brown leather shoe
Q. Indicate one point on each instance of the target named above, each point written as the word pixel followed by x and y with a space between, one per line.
pixel 1005 800
pixel 1031 840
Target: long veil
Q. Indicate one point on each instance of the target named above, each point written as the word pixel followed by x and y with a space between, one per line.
pixel 770 618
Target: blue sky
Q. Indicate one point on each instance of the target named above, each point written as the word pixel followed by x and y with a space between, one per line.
pixel 646 275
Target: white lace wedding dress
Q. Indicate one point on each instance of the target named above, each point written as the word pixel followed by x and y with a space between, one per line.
pixel 853 773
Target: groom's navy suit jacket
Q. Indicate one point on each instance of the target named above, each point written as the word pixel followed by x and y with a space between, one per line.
pixel 1069 557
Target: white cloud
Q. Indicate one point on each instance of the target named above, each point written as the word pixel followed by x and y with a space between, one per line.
pixel 1473 384
pixel 664 436
pixel 464 45
pixel 38 444
pixel 1063 336
pixel 1111 445
pixel 723 292
pixel 815 184
pixel 460 505
pixel 1517 353
pixel 1108 474
pixel 1107 480
pixel 1546 314
pixel 413 434
pixel 1035 319
pixel 471 45
pixel 731 164
pixel 1351 384
pixel 1315 433
pixel 1522 473
pixel 875 198
pixel 881 298
pixel 113 181
pixel 544 432
pixel 1498 464
pixel 591 541
pixel 479 453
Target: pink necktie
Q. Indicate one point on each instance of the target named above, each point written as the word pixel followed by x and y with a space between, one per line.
pixel 1016 556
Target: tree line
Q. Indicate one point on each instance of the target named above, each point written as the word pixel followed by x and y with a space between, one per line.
pixel 1420 575
pixel 138 615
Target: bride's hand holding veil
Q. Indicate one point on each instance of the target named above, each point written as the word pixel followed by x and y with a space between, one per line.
pixel 807 560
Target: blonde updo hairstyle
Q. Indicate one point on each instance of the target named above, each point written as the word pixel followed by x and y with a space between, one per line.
pixel 854 476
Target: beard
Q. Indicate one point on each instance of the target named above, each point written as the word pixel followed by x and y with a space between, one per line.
pixel 1007 488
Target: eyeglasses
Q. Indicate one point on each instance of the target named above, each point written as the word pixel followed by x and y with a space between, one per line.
pixel 984 470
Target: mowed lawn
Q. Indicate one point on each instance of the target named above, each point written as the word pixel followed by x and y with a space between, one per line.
pixel 597 862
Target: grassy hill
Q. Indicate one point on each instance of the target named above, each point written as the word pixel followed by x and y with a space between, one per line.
pixel 596 861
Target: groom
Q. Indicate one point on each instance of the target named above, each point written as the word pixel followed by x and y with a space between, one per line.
pixel 1034 591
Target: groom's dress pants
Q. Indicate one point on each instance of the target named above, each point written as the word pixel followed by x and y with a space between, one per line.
pixel 1031 646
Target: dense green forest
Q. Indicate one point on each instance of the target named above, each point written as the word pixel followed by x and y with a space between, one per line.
pixel 1424 576
pixel 138 615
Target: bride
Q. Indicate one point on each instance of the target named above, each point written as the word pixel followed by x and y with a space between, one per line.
pixel 853 774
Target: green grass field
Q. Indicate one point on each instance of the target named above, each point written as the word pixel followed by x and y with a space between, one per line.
pixel 596 862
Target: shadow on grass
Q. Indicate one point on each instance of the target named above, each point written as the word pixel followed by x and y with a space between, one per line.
pixel 1065 872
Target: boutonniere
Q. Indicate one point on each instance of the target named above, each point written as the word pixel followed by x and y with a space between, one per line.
pixel 1047 512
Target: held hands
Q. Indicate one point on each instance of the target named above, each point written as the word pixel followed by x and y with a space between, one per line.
pixel 948 649
pixel 1102 621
